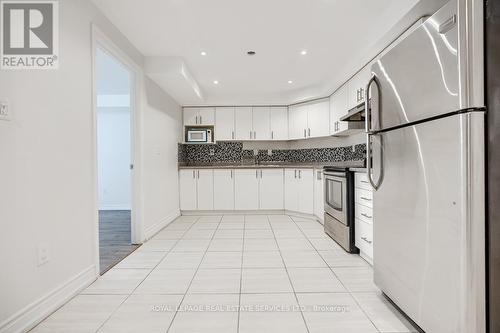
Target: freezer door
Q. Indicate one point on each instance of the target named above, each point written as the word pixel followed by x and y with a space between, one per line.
pixel 418 78
pixel 420 227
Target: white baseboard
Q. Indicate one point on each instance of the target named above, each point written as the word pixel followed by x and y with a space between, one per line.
pixel 253 212
pixel 155 228
pixel 34 313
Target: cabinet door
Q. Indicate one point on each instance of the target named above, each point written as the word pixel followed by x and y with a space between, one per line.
pixel 271 189
pixel 243 123
pixel 206 116
pixel 279 123
pixel 306 191
pixel 205 189
pixel 246 189
pixel 190 116
pixel 187 189
pixel 338 108
pixel 297 121
pixel 319 194
pixel 224 123
pixel 261 120
pixel 291 190
pixel 318 119
pixel 223 189
pixel 357 86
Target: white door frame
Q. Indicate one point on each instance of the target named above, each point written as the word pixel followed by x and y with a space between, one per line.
pixel 99 39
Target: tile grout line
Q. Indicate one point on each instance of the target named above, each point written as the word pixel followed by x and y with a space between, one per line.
pixel 194 275
pixel 132 292
pixel 241 273
pixel 288 274
pixel 336 276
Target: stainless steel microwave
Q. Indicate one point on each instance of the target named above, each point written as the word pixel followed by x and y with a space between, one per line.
pixel 199 135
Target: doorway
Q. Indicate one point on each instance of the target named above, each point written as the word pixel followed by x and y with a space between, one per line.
pixel 114 83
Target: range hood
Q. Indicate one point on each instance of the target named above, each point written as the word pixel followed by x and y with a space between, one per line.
pixel 356 114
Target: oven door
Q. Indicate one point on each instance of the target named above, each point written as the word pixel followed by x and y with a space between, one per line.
pixel 336 196
pixel 197 136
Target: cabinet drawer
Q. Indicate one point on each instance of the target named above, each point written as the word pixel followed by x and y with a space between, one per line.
pixel 364 237
pixel 364 197
pixel 361 181
pixel 363 213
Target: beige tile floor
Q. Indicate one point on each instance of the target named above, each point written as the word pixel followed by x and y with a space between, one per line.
pixel 233 273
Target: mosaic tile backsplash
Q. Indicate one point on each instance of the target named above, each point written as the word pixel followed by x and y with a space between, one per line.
pixel 233 152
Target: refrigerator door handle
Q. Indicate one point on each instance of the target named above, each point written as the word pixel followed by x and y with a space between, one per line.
pixel 369 134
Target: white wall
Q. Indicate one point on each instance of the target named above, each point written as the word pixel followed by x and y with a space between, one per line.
pixel 113 147
pixel 47 190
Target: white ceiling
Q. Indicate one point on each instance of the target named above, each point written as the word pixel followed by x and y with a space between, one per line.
pixel 337 34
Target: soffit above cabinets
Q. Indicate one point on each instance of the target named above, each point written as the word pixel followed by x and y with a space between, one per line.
pixel 339 36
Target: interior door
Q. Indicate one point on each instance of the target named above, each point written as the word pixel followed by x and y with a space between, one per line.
pixel 261 120
pixel 243 123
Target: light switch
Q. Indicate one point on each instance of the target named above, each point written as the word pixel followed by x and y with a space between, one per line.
pixel 5 113
pixel 43 254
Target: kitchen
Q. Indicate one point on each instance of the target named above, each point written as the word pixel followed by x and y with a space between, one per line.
pixel 294 166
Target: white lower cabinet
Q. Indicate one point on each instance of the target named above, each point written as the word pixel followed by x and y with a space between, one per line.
pixel 363 212
pixel 196 189
pixel 299 190
pixel 187 189
pixel 271 189
pixel 246 189
pixel 223 189
pixel 319 194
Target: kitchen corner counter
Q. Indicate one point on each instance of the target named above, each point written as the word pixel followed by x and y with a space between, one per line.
pixel 274 165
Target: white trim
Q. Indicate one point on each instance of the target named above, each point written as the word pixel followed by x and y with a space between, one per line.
pixel 99 39
pixel 115 207
pixel 155 228
pixel 31 315
pixel 253 212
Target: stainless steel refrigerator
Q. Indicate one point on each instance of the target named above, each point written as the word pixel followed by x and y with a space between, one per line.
pixel 426 163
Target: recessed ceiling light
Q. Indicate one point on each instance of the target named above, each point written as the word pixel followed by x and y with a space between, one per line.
pixel 251 53
pixel 290 81
pixel 203 53
pixel 216 82
pixel 303 52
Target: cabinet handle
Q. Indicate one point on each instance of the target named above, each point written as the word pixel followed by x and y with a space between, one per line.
pixel 196 120
pixel 366 240
pixel 295 173
pixel 272 135
pixel 254 135
pixel 201 120
pixel 305 134
pixel 260 173
pixel 364 182
pixel 250 134
pixel 194 176
pixel 232 135
pixel 309 130
pixel 198 174
pixel 300 174
pixel 256 173
pixel 361 94
pixel 366 199
pixel 318 175
pixel 366 215
pixel 231 174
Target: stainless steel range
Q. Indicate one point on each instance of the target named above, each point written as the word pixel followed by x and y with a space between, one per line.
pixel 339 206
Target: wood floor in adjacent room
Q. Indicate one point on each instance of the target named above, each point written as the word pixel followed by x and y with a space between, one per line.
pixel 114 237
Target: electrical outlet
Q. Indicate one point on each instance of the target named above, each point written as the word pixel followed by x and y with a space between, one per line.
pixel 43 254
pixel 211 152
pixel 353 149
pixel 5 113
pixel 269 152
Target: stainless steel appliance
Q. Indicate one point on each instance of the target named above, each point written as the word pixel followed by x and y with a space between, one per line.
pixel 339 207
pixel 199 135
pixel 425 159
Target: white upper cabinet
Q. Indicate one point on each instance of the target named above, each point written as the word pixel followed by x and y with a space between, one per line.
pixel 271 189
pixel 338 108
pixel 297 122
pixel 318 119
pixel 243 123
pixel 224 124
pixel 223 189
pixel 357 87
pixel 261 121
pixel 246 189
pixel 279 123
pixel 199 116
